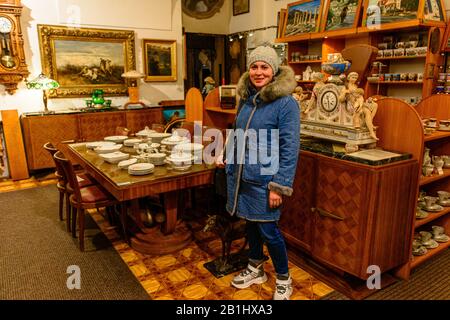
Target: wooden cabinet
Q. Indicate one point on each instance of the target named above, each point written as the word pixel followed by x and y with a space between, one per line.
pixel 350 216
pixel 37 130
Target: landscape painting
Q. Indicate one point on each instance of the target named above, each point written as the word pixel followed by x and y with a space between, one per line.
pixel 341 14
pixel 389 11
pixel 302 17
pixel 84 59
pixel 89 62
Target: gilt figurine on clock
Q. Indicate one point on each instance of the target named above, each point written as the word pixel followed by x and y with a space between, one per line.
pixel 13 68
pixel 337 108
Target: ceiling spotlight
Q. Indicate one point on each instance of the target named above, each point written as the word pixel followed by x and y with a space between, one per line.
pixel 250 34
pixel 241 36
pixel 231 39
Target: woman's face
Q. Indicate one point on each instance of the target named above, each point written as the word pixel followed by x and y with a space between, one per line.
pixel 261 74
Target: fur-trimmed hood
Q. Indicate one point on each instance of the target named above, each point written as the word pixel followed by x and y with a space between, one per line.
pixel 283 84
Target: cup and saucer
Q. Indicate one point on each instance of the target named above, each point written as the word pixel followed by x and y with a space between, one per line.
pixel 444 203
pixel 434 208
pixel 421 214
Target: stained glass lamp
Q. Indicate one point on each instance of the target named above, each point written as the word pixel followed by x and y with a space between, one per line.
pixel 44 83
pixel 132 78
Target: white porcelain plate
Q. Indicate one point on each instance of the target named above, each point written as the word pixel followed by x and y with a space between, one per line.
pixel 117 139
pixel 141 167
pixel 108 149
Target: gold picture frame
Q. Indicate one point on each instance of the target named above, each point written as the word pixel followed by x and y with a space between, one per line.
pixel 160 60
pixel 85 59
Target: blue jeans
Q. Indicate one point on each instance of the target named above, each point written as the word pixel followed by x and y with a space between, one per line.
pixel 268 232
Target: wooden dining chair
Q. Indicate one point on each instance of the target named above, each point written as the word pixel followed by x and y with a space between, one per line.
pixel 81 199
pixel 83 179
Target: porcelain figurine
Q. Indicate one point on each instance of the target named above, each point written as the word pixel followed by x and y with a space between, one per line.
pixel 299 96
pixel 318 77
pixel 354 96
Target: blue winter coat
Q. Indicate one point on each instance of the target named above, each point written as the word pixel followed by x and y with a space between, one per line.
pixel 266 159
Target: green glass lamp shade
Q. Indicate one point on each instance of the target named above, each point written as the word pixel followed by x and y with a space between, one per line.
pixel 42 82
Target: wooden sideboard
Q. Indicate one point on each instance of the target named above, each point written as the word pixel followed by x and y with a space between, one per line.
pixel 56 128
pixel 350 216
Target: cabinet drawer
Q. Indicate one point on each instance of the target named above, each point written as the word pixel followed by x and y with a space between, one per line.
pixel 340 217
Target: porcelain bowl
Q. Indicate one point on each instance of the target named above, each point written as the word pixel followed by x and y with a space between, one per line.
pixel 108 149
pixel 335 68
pixel 114 157
pixel 180 160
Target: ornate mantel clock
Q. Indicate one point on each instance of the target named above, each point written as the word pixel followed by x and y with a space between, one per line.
pixel 328 118
pixel 12 57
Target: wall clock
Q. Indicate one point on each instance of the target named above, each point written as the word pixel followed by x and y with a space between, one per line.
pixel 12 57
pixel 201 9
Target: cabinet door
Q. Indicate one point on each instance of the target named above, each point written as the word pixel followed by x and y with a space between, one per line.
pixel 296 214
pixel 139 119
pixel 38 130
pixel 99 125
pixel 340 215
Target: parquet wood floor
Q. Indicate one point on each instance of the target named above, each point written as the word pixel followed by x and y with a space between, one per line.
pixel 181 275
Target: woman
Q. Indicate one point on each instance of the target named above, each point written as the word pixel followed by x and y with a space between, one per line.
pixel 257 181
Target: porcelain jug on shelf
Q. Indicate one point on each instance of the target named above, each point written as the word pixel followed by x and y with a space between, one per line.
pixel 426 157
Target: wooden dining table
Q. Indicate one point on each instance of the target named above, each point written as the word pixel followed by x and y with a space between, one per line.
pixel 173 234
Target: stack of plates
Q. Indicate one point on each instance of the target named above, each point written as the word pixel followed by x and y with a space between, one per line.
pixel 116 139
pixel 126 163
pixel 131 142
pixel 140 169
pixel 114 157
pixel 95 144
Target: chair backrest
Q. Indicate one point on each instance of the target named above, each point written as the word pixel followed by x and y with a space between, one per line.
pixel 194 105
pixel 52 150
pixel 69 173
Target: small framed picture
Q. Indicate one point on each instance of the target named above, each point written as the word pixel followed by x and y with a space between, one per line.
pixel 429 70
pixel 160 60
pixel 241 7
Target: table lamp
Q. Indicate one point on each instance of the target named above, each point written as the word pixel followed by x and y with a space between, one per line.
pixel 132 78
pixel 44 83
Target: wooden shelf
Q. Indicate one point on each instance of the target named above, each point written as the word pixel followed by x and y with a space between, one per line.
pixel 417 260
pixel 398 82
pixel 220 110
pixel 305 61
pixel 432 216
pixel 402 58
pixel 426 180
pixel 437 135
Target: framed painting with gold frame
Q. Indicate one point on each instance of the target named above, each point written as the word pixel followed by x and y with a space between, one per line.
pixel 302 17
pixel 84 59
pixel 160 60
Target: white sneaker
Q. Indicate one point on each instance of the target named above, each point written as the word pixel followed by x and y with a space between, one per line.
pixel 283 289
pixel 249 276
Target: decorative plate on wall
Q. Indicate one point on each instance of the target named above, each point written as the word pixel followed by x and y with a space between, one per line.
pixel 201 9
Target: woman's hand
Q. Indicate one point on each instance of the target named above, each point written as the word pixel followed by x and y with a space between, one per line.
pixel 219 161
pixel 275 200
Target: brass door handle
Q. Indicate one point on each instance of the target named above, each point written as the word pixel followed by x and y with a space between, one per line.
pixel 324 213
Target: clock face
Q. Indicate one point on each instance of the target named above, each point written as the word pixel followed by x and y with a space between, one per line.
pixel 329 101
pixel 5 25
